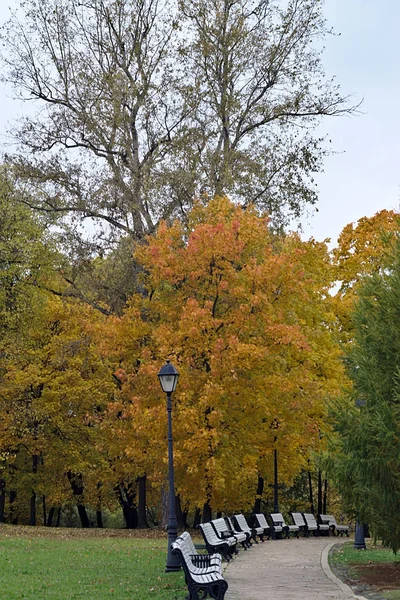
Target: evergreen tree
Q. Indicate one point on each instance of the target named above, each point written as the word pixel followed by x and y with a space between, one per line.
pixel 367 449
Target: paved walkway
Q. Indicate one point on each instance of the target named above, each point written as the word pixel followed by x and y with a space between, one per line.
pixel 294 569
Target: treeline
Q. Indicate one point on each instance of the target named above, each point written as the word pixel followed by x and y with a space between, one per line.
pixel 244 314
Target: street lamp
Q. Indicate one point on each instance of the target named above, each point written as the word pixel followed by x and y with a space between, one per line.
pixel 276 485
pixel 168 377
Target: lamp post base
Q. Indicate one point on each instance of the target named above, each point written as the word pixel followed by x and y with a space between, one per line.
pixel 359 539
pixel 173 560
pixel 172 569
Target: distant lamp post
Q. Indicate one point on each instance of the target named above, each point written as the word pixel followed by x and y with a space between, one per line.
pixel 168 377
pixel 275 425
pixel 359 537
pixel 276 484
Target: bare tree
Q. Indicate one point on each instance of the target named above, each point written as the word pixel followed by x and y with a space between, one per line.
pixel 102 75
pixel 257 68
pixel 144 104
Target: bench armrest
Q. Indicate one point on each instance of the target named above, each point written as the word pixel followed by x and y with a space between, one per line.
pixel 226 534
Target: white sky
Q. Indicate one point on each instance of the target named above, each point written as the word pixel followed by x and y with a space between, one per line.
pixel 364 176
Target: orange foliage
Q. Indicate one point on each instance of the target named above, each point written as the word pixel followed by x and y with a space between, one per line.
pixel 245 317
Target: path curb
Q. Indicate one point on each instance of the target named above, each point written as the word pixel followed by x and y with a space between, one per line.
pixel 346 589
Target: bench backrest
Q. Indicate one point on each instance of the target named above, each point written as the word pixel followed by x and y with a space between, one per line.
pixel 241 521
pixel 310 520
pixel 262 520
pixel 330 519
pixel 182 545
pixel 220 525
pixel 209 533
pixel 202 573
pixel 298 519
pixel 278 519
pixel 187 538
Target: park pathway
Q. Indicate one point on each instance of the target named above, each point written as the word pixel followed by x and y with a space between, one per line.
pixel 294 569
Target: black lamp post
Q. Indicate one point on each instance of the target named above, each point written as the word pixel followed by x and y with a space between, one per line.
pixel 276 485
pixel 168 377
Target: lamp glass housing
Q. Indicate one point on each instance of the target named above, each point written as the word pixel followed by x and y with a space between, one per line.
pixel 168 377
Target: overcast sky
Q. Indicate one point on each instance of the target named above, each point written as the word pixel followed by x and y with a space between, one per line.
pixel 363 176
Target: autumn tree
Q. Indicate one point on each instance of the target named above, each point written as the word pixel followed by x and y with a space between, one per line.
pixel 245 317
pixel 54 387
pixel 363 248
pixel 366 448
pixel 50 397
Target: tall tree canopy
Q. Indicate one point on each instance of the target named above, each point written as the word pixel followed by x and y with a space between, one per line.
pixel 366 449
pixel 140 105
pixel 246 318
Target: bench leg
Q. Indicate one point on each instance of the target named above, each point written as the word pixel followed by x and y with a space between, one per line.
pixel 218 591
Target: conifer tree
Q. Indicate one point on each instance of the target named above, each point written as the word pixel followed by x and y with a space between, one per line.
pixel 367 449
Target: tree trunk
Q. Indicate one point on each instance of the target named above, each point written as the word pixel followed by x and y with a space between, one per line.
pixel 13 508
pixel 83 516
pixel 2 500
pixel 58 517
pixel 197 518
pixel 311 493
pixel 32 509
pixel 142 518
pixel 181 515
pixel 76 482
pixel 126 497
pixel 50 517
pixel 44 510
pixel 99 519
pixel 319 508
pixel 99 516
pixel 207 513
pixel 325 496
pixel 259 493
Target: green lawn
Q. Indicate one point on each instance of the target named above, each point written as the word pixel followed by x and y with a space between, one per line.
pixel 91 569
pixel 347 554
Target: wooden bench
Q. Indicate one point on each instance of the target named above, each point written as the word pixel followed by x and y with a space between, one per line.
pixel 314 527
pixel 334 527
pixel 215 543
pixel 203 573
pixel 261 521
pixel 225 533
pixel 298 520
pixel 253 532
pixel 243 537
pixel 280 527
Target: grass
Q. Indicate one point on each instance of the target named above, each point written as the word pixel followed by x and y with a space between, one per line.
pixel 91 569
pixel 370 567
pixel 348 555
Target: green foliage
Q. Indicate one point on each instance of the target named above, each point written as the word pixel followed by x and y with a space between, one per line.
pixel 367 447
pixel 53 568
